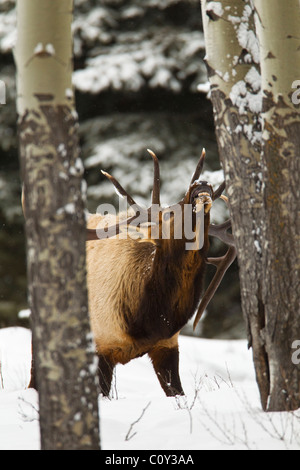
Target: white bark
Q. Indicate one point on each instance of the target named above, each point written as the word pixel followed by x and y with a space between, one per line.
pixel 44 59
pixel 278 32
pixel 253 53
pixel 55 227
pixel 233 66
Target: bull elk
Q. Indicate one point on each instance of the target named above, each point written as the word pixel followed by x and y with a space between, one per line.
pixel 144 289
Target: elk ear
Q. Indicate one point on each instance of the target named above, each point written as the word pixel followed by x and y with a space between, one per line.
pixel 219 191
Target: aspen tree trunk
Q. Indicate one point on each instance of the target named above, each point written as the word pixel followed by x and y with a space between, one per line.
pixel 252 146
pixel 233 63
pixel 278 27
pixel 55 226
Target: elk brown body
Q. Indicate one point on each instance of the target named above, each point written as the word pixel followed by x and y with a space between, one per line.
pixel 143 291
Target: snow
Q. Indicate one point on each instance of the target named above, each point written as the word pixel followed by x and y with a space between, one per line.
pixel 243 99
pixel 216 8
pixel 68 209
pixel 246 94
pixel 253 78
pixel 163 60
pixel 221 409
pixel 8 33
pixel 204 88
pixel 246 37
pixel 38 48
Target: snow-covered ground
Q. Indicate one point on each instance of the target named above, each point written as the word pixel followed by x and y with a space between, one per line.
pixel 221 409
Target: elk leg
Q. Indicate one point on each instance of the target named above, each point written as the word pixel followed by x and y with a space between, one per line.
pixel 105 372
pixel 165 362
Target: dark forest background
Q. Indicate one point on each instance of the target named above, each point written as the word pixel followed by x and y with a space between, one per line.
pixel 138 67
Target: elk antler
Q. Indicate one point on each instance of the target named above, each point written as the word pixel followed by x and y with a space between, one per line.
pixel 156 181
pixel 141 215
pixel 223 262
pixel 199 168
pixel 120 190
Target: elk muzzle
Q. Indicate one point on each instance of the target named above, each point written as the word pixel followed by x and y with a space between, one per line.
pixel 204 199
